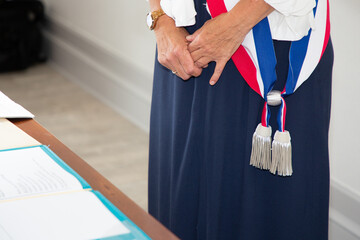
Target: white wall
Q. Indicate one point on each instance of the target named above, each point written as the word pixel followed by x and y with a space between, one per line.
pixel 106 47
pixel 117 25
pixel 345 130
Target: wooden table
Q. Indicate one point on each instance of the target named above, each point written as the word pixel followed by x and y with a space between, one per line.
pixel 142 219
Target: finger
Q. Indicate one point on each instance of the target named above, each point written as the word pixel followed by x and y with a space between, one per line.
pixel 168 65
pixel 168 60
pixel 188 64
pixel 172 63
pixel 197 54
pixel 180 71
pixel 172 69
pixel 176 68
pixel 193 46
pixel 191 37
pixel 162 59
pixel 202 62
pixel 217 72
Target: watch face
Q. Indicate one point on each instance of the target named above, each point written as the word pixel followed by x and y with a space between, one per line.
pixel 149 20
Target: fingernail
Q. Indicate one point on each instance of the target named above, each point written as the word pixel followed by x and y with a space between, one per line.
pixel 212 83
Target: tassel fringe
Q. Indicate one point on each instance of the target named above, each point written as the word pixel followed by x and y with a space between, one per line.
pixel 261 148
pixel 281 154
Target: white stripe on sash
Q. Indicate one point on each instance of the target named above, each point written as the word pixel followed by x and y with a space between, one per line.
pixel 316 44
pixel 249 45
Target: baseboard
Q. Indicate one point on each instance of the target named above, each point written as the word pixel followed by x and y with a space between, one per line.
pixel 344 212
pixel 108 76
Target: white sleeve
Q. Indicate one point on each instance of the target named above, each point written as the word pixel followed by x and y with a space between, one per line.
pixel 182 11
pixel 291 19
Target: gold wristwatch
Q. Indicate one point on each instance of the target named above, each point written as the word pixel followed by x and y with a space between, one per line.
pixel 152 18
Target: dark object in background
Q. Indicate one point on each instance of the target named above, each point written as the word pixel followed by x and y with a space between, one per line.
pixel 21 38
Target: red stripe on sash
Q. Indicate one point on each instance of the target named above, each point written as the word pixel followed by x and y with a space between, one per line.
pixel 216 7
pixel 246 67
pixel 284 116
pixel 327 30
pixel 264 113
pixel 241 58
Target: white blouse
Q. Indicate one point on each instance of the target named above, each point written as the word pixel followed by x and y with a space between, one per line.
pixel 290 21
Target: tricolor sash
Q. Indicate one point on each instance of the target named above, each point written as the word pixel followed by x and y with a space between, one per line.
pixel 256 61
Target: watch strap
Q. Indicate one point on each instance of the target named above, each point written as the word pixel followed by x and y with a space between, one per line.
pixel 155 16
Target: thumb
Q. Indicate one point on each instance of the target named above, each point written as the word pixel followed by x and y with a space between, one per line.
pixel 191 38
pixel 217 72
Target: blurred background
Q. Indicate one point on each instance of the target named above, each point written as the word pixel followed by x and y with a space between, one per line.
pixel 91 87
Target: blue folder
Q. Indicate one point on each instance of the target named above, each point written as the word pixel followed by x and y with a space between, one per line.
pixel 135 232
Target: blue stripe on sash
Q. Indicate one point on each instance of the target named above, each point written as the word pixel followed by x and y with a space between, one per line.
pixel 265 54
pixel 268 115
pixel 280 117
pixel 297 56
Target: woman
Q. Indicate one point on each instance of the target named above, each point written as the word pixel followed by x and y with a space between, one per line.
pixel 204 113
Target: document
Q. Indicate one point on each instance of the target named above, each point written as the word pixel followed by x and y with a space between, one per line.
pixel 14 137
pixel 10 109
pixel 30 171
pixel 41 197
pixel 77 215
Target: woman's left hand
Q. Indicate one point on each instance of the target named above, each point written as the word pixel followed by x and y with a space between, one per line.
pixel 217 41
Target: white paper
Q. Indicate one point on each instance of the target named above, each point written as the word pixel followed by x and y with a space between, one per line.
pixel 78 215
pixel 10 109
pixel 13 137
pixel 30 171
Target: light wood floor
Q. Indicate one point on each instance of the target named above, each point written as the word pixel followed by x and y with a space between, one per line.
pixel 102 137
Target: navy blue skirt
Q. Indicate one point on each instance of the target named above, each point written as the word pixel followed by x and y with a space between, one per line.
pixel 201 185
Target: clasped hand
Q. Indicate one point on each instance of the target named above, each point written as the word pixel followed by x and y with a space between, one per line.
pixel 187 55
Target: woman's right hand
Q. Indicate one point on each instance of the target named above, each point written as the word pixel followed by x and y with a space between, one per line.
pixel 173 50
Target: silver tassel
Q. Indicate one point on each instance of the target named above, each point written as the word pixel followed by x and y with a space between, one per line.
pixel 261 148
pixel 281 154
